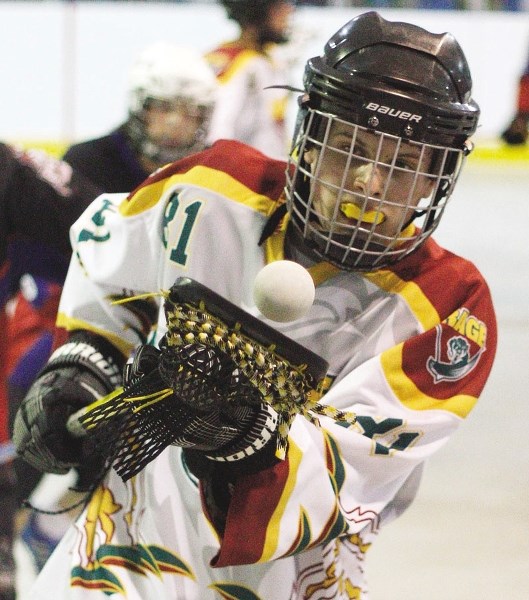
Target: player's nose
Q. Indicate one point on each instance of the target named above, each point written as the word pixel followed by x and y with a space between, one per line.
pixel 369 180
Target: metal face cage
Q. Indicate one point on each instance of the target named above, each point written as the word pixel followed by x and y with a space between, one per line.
pixel 364 199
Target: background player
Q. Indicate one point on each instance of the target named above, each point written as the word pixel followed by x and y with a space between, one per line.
pixel 172 92
pixel 40 197
pixel 517 131
pixel 246 110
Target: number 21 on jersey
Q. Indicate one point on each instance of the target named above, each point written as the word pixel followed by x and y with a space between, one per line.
pixel 182 216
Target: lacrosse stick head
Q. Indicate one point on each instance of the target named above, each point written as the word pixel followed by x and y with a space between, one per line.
pixel 260 363
pixel 215 357
pixel 195 314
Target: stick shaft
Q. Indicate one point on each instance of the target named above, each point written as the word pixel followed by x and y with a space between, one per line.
pixel 73 425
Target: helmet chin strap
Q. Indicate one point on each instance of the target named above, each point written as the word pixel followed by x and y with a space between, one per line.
pixel 272 223
pixel 416 214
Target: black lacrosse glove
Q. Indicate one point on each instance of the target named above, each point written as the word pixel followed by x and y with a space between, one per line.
pixel 222 431
pixel 81 371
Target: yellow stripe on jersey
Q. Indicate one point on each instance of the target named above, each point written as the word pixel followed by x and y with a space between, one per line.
pixel 144 199
pixel 279 110
pixel 410 395
pixel 238 64
pixel 205 177
pixel 70 323
pixel 272 531
pixel 322 271
pixel 275 247
pixel 418 303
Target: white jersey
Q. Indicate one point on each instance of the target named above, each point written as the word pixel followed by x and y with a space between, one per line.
pixel 247 108
pixel 410 349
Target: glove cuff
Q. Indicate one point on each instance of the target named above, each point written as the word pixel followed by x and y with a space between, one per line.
pixel 92 353
pixel 255 439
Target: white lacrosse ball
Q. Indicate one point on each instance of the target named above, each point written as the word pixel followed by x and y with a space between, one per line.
pixel 283 291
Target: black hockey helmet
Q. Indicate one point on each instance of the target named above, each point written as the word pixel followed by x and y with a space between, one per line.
pixel 395 77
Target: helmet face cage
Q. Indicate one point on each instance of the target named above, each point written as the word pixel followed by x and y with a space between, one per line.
pixel 160 154
pixel 157 153
pixel 365 230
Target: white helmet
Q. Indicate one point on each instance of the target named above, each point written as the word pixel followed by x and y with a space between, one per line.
pixel 178 76
pixel 165 71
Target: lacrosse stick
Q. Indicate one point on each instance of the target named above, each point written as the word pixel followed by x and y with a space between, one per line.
pixel 213 354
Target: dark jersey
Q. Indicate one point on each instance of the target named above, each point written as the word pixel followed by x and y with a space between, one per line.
pixel 40 198
pixel 109 161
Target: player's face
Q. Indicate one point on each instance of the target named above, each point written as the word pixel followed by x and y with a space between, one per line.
pixel 172 124
pixel 368 180
pixel 278 22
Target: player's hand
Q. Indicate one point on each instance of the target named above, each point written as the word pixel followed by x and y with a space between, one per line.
pixel 40 435
pixel 78 373
pixel 209 423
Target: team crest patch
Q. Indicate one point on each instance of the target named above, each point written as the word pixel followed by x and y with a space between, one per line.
pixel 454 358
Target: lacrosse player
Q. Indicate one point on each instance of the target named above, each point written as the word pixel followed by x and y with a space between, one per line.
pixel 40 197
pixel 407 327
pixel 171 95
pixel 248 109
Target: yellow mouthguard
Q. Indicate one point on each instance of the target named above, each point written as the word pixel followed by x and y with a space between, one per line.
pixel 351 211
